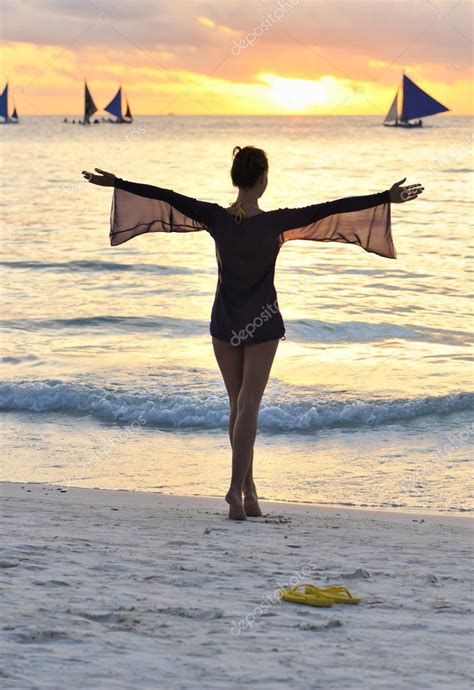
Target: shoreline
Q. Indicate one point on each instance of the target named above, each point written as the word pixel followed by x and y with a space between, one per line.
pixel 143 497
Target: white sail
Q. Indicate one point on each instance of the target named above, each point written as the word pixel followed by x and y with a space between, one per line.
pixel 392 114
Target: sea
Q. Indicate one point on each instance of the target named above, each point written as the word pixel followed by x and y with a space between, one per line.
pixel 108 377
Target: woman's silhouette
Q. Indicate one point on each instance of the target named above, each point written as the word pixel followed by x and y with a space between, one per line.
pixel 246 324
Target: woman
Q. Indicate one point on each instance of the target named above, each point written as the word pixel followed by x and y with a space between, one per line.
pixel 246 324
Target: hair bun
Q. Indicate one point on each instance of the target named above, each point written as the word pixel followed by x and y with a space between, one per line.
pixel 248 166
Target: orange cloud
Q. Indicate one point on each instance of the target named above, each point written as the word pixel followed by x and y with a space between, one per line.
pixel 314 58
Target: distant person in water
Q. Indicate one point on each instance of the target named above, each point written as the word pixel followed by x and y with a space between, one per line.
pixel 246 324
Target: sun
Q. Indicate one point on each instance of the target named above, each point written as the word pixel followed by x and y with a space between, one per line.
pixel 297 95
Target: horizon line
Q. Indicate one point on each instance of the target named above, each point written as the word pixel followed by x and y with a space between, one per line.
pixel 171 114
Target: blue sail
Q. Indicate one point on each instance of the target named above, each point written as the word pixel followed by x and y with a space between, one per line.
pixel 115 105
pixel 417 103
pixel 4 103
pixel 14 114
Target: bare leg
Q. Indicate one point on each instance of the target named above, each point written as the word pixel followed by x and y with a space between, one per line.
pixel 250 491
pixel 245 370
pixel 231 364
pixel 258 360
pixel 251 507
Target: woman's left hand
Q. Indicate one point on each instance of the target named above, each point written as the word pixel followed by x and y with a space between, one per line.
pixel 399 194
pixel 103 179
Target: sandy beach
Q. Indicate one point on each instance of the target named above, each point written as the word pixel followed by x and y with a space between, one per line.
pixel 120 589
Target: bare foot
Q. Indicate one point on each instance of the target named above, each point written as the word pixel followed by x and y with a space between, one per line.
pixel 251 507
pixel 236 509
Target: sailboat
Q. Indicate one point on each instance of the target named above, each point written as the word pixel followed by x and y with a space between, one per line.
pixel 13 118
pixel 411 102
pixel 89 106
pixel 115 108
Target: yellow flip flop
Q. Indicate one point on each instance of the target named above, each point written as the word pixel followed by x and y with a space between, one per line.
pixel 316 598
pixel 339 595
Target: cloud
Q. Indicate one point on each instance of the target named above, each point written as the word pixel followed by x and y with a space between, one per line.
pixel 388 30
pixel 341 47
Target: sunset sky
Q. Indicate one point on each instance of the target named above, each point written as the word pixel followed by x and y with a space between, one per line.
pixel 235 56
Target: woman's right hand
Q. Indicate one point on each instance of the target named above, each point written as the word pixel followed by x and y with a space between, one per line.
pixel 103 179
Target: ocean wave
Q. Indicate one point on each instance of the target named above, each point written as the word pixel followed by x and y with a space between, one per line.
pixel 172 326
pixel 97 266
pixel 299 330
pixel 311 330
pixel 19 359
pixel 191 410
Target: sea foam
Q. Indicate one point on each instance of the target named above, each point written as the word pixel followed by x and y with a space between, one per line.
pixel 202 410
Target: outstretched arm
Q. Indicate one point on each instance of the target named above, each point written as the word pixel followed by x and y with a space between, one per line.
pixel 310 214
pixel 164 210
pixel 363 220
pixel 188 206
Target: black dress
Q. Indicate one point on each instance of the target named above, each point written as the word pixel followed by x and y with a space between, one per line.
pixel 245 309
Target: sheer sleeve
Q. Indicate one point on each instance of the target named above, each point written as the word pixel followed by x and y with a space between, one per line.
pixel 140 208
pixel 363 220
